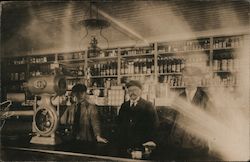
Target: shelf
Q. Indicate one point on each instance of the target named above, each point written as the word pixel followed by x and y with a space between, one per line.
pixel 174 73
pixel 102 58
pixel 78 77
pixel 124 75
pixel 177 87
pixel 137 55
pixel 227 48
pixel 71 60
pixel 223 86
pixel 173 52
pixel 224 71
pixel 105 76
pixel 160 52
pixel 38 63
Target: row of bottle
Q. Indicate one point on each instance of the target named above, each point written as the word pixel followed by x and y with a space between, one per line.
pixel 225 65
pixel 177 81
pixel 38 59
pixel 104 69
pixel 17 76
pixel 137 51
pixel 137 66
pixel 104 82
pixel 191 45
pixel 170 65
pixel 109 53
pixel 174 80
pixel 36 70
pixel 229 80
pixel 38 73
pixel 228 42
pixel 17 61
pixel 71 56
pixel 22 60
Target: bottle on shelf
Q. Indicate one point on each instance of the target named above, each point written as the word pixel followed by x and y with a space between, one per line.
pixel 178 65
pixel 169 65
pixel 160 65
pixel 115 66
pixel 126 66
pixel 144 66
pixel 80 71
pixel 136 66
pixel 122 67
pixel 149 62
pixel 107 69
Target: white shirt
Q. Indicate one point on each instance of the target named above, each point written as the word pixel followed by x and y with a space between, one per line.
pixel 190 94
pixel 134 101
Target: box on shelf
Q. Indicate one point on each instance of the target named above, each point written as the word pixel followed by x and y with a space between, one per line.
pixel 116 96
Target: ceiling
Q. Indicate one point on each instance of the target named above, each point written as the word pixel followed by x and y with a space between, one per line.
pixel 35 27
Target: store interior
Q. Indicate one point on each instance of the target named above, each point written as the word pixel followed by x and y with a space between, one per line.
pixel 48 47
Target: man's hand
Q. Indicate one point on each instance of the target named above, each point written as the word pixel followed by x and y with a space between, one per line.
pixel 150 144
pixel 149 147
pixel 101 140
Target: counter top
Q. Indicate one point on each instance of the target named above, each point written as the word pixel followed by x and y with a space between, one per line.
pixel 68 151
pixel 21 149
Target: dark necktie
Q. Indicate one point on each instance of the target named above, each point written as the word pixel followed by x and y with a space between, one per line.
pixel 77 118
pixel 133 105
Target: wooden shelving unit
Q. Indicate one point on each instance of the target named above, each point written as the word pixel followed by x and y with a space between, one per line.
pixel 78 67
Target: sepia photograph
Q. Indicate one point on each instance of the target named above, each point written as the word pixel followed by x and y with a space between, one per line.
pixel 125 80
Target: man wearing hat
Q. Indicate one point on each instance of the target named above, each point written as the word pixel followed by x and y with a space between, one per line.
pixel 137 120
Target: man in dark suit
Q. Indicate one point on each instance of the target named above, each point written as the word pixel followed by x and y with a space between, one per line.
pixel 137 119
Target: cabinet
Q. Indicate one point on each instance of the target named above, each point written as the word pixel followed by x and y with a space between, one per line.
pixel 225 62
pixel 161 62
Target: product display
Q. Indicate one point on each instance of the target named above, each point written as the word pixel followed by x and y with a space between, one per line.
pixel 110 67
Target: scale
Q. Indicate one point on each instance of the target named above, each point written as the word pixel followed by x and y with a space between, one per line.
pixel 47 90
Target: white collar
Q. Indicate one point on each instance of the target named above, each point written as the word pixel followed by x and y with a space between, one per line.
pixel 134 101
pixel 190 93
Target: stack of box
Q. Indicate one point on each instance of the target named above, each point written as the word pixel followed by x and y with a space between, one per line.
pixel 116 96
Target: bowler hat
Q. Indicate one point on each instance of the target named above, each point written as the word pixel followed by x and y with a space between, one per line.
pixel 79 88
pixel 134 83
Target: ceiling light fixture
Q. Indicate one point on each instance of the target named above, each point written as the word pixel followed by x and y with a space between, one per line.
pixel 93 22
